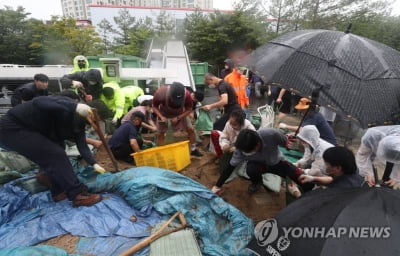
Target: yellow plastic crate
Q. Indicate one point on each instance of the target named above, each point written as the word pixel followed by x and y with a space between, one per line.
pixel 173 157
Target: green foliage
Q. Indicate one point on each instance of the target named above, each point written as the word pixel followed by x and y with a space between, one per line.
pixel 125 23
pixel 370 19
pixel 20 37
pixel 325 14
pixel 65 40
pixel 132 34
pixel 209 37
pixel 215 37
pixel 378 27
pixel 106 30
pixel 140 40
pixel 165 26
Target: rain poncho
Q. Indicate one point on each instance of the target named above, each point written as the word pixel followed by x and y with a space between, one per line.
pixel 313 150
pixel 389 149
pixel 131 93
pixel 116 104
pixel 84 77
pixel 76 64
pixel 382 138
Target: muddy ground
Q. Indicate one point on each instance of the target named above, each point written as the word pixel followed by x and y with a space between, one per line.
pixel 259 206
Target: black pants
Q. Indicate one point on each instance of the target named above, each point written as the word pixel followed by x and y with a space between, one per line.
pixel 255 170
pixel 284 168
pixel 48 155
pixel 387 172
pixel 124 152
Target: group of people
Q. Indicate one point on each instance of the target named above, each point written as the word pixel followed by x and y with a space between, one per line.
pixel 324 163
pixel 39 120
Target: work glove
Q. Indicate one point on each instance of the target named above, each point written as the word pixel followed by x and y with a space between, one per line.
pixel 77 84
pixel 114 120
pixel 83 110
pixel 88 98
pixel 98 168
pixel 282 125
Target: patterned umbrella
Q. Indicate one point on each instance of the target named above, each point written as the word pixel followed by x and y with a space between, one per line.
pixel 355 76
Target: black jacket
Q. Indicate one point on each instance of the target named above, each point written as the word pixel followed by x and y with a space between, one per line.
pixel 53 117
pixel 84 77
pixel 26 92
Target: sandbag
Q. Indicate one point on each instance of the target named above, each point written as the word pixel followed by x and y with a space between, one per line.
pixel 204 121
pixel 12 161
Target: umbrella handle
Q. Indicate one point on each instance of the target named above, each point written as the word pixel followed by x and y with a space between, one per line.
pixel 377 184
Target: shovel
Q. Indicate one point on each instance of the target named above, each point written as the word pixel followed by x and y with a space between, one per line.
pixel 158 234
pixel 94 122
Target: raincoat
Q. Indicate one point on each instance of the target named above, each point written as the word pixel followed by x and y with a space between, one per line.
pixel 239 83
pixel 84 77
pixel 370 143
pixel 313 151
pixel 76 65
pixel 116 104
pixel 131 93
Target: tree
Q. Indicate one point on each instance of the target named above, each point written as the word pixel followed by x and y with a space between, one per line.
pixel 85 41
pixel 284 14
pixel 328 14
pixel 215 37
pixel 20 37
pixel 65 40
pixel 378 27
pixel 106 30
pixel 133 34
pixel 165 26
pixel 139 42
pixel 125 23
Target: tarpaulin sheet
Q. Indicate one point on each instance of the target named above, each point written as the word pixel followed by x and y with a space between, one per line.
pixel 151 194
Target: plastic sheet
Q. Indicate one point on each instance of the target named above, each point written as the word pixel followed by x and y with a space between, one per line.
pixel 151 194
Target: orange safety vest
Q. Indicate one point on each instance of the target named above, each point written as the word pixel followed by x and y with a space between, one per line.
pixel 239 83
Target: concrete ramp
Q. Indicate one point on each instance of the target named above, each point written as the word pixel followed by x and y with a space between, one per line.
pixel 177 59
pixel 167 64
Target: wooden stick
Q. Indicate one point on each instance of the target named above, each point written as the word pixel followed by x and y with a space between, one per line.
pixel 94 122
pixel 157 234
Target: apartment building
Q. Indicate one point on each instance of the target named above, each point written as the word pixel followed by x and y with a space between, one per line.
pixel 80 10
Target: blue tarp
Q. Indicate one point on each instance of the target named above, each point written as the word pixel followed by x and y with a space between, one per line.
pixel 151 194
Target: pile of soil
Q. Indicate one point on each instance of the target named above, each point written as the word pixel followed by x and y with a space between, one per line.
pixel 258 206
pixel 205 170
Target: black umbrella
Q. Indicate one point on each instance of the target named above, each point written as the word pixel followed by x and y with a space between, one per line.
pixel 357 77
pixel 362 221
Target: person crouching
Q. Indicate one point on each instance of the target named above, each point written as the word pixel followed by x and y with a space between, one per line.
pixel 126 139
